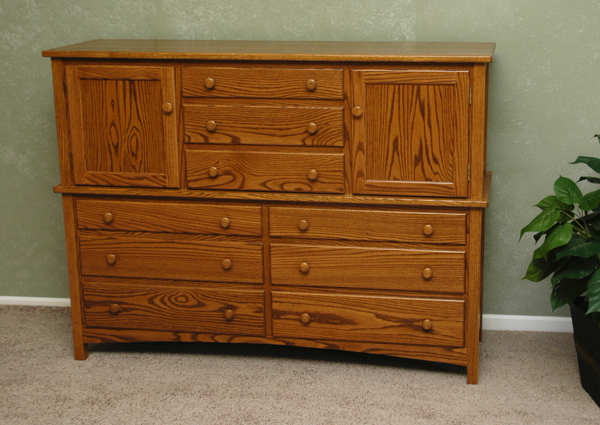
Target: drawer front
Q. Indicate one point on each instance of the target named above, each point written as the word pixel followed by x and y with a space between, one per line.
pixel 373 268
pixel 169 217
pixel 398 226
pixel 152 307
pixel 177 259
pixel 368 318
pixel 262 83
pixel 265 171
pixel 263 125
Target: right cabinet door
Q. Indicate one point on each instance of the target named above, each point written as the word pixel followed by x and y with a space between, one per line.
pixel 410 132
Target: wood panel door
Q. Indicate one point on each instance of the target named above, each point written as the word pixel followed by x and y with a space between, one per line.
pixel 410 132
pixel 123 125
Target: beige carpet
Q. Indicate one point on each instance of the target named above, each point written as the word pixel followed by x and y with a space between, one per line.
pixel 525 378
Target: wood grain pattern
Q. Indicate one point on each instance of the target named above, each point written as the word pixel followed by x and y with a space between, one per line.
pixel 361 318
pixel 474 290
pixel 263 125
pixel 265 171
pixel 173 308
pixel 368 225
pixel 374 268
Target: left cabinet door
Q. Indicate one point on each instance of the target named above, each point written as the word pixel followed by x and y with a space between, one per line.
pixel 123 125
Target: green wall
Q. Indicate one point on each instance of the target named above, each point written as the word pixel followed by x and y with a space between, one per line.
pixel 544 105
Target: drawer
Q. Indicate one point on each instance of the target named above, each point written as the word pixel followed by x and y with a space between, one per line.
pixel 171 217
pixel 178 309
pixel 265 171
pixel 263 125
pixel 262 83
pixel 372 268
pixel 368 318
pixel 144 257
pixel 367 225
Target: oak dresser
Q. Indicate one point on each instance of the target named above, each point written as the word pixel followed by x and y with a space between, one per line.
pixel 317 194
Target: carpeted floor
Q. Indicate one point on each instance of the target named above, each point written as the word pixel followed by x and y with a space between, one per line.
pixel 525 378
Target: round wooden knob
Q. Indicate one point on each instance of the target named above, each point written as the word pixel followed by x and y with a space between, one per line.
pixel 427 273
pixel 312 128
pixel 303 225
pixel 114 308
pixel 426 325
pixel 313 175
pixel 108 217
pixel 209 83
pixel 111 259
pixel 226 264
pixel 167 108
pixel 305 318
pixel 357 112
pixel 304 268
pixel 428 230
pixel 228 314
pixel 211 126
pixel 311 85
pixel 213 172
pixel 225 222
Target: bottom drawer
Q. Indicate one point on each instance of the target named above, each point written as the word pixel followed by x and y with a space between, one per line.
pixel 167 308
pixel 368 318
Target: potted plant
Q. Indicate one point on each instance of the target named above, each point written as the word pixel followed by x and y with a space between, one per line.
pixel 569 223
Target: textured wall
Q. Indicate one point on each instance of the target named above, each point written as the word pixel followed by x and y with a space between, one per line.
pixel 544 105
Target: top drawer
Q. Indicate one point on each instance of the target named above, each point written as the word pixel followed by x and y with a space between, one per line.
pixel 262 83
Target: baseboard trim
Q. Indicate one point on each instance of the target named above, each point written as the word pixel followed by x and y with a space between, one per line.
pixel 492 322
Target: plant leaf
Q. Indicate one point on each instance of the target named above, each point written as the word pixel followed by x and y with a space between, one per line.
pixel 593 293
pixel 579 247
pixel 560 236
pixel 590 179
pixel 538 268
pixel 566 291
pixel 577 269
pixel 590 161
pixel 567 191
pixel 542 222
pixel 551 202
pixel 589 201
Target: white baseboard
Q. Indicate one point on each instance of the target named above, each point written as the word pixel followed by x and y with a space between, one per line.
pixel 492 322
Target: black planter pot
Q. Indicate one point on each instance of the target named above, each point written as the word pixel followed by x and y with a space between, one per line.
pixel 587 345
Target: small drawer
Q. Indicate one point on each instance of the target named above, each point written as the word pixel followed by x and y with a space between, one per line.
pixel 368 268
pixel 367 225
pixel 145 257
pixel 177 309
pixel 208 219
pixel 368 318
pixel 265 171
pixel 268 83
pixel 263 125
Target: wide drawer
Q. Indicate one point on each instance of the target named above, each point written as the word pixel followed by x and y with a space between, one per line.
pixel 144 257
pixel 262 83
pixel 367 225
pixel 265 171
pixel 263 125
pixel 368 318
pixel 168 308
pixel 171 217
pixel 373 268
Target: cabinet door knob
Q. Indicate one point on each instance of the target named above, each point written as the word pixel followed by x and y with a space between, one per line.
pixel 225 222
pixel 427 273
pixel 228 314
pixel 428 230
pixel 312 128
pixel 108 217
pixel 357 112
pixel 311 85
pixel 226 264
pixel 209 83
pixel 303 225
pixel 211 126
pixel 426 325
pixel 167 108
pixel 111 259
pixel 313 175
pixel 305 318
pixel 114 308
pixel 304 268
pixel 213 172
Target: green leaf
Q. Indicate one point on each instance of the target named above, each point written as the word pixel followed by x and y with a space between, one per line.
pixel 590 179
pixel 560 236
pixel 590 161
pixel 566 291
pixel 539 268
pixel 593 293
pixel 590 200
pixel 542 222
pixel 567 191
pixel 579 247
pixel 577 269
pixel 551 202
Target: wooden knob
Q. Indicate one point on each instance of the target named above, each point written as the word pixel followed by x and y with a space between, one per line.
pixel 114 308
pixel 305 318
pixel 357 112
pixel 313 175
pixel 228 314
pixel 303 225
pixel 312 128
pixel 225 222
pixel 111 259
pixel 311 85
pixel 428 230
pixel 211 126
pixel 209 83
pixel 213 172
pixel 426 325
pixel 304 268
pixel 108 217
pixel 226 264
pixel 167 108
pixel 427 273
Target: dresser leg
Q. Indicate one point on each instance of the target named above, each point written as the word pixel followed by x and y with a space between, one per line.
pixel 80 351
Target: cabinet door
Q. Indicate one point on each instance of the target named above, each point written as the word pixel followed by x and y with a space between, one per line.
pixel 123 125
pixel 410 132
